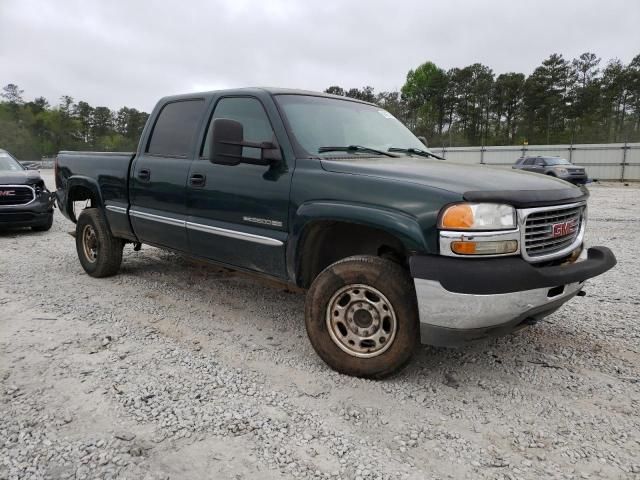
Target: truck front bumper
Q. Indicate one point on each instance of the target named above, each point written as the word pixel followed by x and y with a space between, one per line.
pixel 463 300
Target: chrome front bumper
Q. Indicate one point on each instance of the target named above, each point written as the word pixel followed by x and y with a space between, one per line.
pixel 469 316
pixel 464 300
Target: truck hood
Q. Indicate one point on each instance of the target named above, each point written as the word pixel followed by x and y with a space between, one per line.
pixel 472 182
pixel 24 177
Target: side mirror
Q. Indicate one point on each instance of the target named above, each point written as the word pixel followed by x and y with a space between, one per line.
pixel 226 147
pixel 423 140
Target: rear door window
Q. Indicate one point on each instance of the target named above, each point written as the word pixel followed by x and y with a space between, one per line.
pixel 174 132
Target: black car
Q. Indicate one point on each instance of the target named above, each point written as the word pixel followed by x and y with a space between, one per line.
pixel 554 167
pixel 24 198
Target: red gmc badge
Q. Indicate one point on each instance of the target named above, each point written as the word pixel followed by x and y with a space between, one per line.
pixel 563 229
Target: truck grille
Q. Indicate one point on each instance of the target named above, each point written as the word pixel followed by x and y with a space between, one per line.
pixel 16 195
pixel 552 231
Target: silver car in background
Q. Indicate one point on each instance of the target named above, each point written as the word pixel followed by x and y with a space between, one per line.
pixel 555 167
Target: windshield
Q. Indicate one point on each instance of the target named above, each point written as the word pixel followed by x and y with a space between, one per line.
pixel 556 161
pixel 8 163
pixel 327 122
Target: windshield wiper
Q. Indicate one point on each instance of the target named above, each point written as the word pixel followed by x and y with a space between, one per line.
pixel 416 151
pixel 354 148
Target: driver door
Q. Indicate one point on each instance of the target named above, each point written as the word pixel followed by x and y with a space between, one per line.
pixel 238 214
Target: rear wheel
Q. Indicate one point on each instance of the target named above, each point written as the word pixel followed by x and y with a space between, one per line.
pixel 362 318
pixel 100 253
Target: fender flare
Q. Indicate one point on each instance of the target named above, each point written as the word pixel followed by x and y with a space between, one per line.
pixel 398 224
pixel 84 182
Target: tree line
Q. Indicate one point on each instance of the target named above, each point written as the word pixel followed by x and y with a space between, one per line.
pixel 562 101
pixel 35 129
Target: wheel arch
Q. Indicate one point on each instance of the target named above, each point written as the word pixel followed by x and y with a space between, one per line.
pixel 82 188
pixel 364 230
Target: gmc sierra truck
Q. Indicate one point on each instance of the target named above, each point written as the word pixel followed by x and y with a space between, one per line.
pixel 393 245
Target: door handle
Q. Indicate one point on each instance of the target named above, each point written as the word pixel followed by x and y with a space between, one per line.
pixel 198 180
pixel 144 174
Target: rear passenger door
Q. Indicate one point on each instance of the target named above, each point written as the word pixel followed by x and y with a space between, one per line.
pixel 529 164
pixel 158 177
pixel 539 165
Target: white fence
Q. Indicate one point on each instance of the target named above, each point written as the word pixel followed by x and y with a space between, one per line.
pixel 610 161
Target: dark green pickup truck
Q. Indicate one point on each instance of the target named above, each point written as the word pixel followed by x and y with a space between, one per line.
pixel 336 196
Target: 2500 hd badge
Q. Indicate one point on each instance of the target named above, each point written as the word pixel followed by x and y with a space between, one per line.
pixel 334 195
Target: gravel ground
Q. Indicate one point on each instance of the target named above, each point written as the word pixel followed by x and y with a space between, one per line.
pixel 174 369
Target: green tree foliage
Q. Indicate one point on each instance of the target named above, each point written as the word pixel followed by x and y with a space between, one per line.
pixel 424 92
pixel 31 130
pixel 562 101
pixel 506 104
pixel 365 94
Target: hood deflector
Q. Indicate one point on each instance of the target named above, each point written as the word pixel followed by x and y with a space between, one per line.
pixel 530 198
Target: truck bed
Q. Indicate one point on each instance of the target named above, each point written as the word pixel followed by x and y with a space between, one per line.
pixel 104 174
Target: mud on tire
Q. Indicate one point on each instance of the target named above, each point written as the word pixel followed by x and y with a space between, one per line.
pixel 100 253
pixel 361 316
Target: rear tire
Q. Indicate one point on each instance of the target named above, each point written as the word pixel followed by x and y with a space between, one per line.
pixel 361 316
pixel 45 227
pixel 100 253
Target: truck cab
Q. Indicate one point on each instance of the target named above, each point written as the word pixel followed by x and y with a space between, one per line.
pixel 393 245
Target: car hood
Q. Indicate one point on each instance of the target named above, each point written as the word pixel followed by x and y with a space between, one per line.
pixel 24 177
pixel 472 182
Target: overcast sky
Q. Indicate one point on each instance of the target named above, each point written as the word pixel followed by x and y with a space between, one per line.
pixel 131 52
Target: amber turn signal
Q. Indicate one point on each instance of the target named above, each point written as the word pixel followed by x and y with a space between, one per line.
pixel 484 248
pixel 458 216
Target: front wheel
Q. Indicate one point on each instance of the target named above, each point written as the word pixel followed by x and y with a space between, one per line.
pixel 362 318
pixel 100 253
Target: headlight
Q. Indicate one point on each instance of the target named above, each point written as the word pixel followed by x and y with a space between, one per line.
pixel 562 171
pixel 477 216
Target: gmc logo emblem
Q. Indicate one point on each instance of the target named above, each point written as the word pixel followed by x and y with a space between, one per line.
pixel 563 229
pixel 7 193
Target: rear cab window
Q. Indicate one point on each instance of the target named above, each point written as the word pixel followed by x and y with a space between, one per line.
pixel 174 132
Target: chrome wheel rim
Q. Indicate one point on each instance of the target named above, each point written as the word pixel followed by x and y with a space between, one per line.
pixel 361 321
pixel 90 243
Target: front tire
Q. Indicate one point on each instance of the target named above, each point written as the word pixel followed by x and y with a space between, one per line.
pixel 362 318
pixel 100 253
